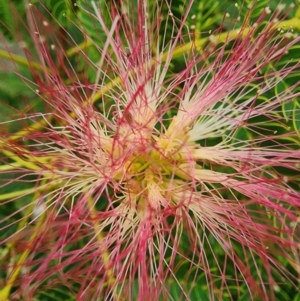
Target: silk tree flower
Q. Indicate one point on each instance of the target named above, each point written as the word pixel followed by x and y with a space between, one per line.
pixel 142 187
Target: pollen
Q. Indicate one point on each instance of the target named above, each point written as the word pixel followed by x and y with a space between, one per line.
pixel 213 39
pixel 268 10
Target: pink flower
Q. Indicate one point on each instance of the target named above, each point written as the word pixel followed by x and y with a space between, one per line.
pixel 149 184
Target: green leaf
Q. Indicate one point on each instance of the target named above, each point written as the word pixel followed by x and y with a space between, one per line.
pixel 297 297
pixel 296 117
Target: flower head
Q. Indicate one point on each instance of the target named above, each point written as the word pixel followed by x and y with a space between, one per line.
pixel 148 183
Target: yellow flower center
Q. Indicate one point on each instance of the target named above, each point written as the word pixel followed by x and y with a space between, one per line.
pixel 152 163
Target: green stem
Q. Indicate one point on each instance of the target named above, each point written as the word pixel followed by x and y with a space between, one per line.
pixel 4 293
pixel 22 61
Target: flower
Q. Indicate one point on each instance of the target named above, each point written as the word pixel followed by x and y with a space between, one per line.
pixel 151 184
